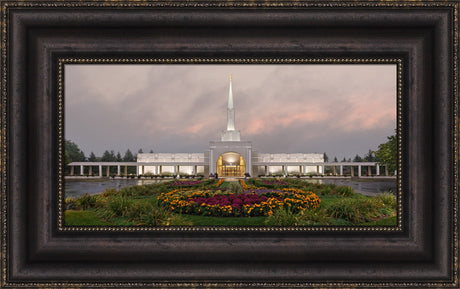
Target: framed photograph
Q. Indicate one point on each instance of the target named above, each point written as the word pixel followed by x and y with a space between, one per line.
pixel 261 175
pixel 229 144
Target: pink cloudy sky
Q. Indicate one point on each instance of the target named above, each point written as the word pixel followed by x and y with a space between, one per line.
pixel 342 110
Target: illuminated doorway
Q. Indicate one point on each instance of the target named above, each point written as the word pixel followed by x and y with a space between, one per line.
pixel 231 165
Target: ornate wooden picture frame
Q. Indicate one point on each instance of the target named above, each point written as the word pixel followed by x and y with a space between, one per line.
pixel 422 251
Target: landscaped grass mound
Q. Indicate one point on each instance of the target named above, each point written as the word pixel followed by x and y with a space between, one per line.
pixel 255 202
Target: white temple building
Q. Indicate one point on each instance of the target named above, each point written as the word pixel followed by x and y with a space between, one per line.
pixel 230 156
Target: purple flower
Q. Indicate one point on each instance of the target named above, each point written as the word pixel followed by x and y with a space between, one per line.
pixel 275 182
pixel 186 183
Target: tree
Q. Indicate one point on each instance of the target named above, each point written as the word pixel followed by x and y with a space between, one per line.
pixel 140 151
pixel 387 153
pixel 112 156
pixel 369 157
pixel 357 159
pixel 119 159
pixel 335 159
pixel 73 153
pixel 151 151
pixel 107 157
pixel 92 157
pixel 344 160
pixel 326 158
pixel 129 156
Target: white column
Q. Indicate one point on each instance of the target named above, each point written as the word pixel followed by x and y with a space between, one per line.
pixel 100 170
pixel 249 167
pixel 359 170
pixel 322 172
pixel 378 169
pixel 137 170
pixel 341 170
pixel 175 170
pixel 386 170
pixel 72 170
pixel 81 170
pixel 212 165
pixel 266 170
pixel 118 170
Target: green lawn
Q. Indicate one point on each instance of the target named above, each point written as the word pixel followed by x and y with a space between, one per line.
pixel 227 221
pixel 390 221
pixel 89 218
pixel 83 218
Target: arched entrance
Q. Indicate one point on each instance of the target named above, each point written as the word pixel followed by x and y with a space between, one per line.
pixel 231 164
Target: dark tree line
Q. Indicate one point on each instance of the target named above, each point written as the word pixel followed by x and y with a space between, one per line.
pixel 74 154
pixel 386 154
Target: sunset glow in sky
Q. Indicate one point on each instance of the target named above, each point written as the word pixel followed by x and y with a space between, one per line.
pixel 342 110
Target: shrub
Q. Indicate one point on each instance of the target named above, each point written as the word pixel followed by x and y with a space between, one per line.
pixel 70 204
pixel 345 191
pixel 282 217
pixel 235 187
pixel 356 210
pixel 109 193
pixel 119 205
pixel 135 210
pixel 100 201
pixel 285 217
pixel 314 217
pixel 154 215
pixel 388 199
pixel 326 191
pixel 86 201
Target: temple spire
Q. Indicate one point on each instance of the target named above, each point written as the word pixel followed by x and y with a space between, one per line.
pixel 230 110
pixel 230 134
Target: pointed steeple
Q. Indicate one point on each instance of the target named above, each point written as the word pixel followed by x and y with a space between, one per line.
pixel 230 110
pixel 230 134
pixel 230 95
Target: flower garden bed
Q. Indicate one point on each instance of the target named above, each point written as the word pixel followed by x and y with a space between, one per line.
pixel 275 182
pixel 185 183
pixel 250 203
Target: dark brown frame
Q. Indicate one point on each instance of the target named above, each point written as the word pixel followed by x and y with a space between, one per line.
pixel 35 35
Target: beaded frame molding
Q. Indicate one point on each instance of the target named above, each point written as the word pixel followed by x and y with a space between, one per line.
pixel 40 37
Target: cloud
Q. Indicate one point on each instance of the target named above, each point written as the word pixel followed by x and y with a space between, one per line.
pixel 341 109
